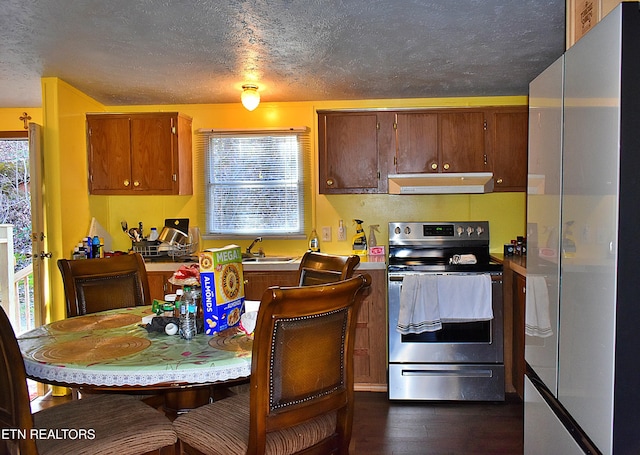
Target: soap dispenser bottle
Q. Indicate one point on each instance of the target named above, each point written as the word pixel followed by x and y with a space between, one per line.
pixel 314 243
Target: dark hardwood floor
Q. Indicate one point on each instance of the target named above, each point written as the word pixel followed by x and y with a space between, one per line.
pixel 381 427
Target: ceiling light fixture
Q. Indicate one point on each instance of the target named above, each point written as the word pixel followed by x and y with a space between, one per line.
pixel 250 97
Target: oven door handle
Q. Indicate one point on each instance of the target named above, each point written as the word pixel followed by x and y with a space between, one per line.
pixel 494 277
pixel 463 372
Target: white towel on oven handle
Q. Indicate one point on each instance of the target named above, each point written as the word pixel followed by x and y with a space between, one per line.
pixel 537 320
pixel 419 309
pixel 465 298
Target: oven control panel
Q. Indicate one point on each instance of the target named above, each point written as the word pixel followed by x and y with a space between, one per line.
pixel 448 232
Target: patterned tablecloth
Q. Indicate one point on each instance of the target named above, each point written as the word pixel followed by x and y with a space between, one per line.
pixel 112 348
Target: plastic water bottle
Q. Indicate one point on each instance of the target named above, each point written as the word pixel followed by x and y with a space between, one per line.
pixel 196 293
pixel 188 308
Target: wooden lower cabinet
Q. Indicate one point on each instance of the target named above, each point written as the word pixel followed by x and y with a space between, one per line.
pixel 519 300
pixel 370 351
pixel 159 284
pixel 514 286
pixel 255 283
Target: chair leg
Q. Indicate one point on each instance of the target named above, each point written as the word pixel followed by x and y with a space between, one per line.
pixel 186 449
pixel 169 450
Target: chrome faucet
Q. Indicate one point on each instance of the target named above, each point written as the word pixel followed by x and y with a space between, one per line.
pixel 249 254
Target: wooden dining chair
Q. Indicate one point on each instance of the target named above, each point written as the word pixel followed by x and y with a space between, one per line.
pixel 104 425
pixel 301 389
pixel 93 285
pixel 320 268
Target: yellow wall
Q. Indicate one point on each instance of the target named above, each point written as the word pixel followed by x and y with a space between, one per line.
pixel 505 211
pixel 10 117
pixel 65 169
pixel 70 208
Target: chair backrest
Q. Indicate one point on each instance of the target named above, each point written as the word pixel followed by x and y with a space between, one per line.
pixel 302 364
pixel 321 268
pixel 15 409
pixel 93 285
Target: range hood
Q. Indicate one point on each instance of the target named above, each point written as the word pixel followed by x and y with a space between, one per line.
pixel 452 183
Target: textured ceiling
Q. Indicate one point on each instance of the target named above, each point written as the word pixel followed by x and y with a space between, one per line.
pixel 124 52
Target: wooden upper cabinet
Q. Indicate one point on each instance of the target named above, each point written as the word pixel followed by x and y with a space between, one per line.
pixel 416 143
pixel 151 138
pixel 358 150
pixel 147 153
pixel 462 140
pixel 440 141
pixel 348 147
pixel 109 152
pixel 508 144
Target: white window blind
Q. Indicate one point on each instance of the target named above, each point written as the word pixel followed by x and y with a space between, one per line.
pixel 256 182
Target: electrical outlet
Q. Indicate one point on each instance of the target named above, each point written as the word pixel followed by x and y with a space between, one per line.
pixel 326 234
pixel 342 233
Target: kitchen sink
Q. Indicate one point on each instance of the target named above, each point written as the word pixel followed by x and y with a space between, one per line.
pixel 269 259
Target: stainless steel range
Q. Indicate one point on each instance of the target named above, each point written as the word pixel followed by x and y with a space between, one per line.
pixel 445 313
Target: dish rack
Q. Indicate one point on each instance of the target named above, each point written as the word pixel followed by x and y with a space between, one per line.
pixel 156 249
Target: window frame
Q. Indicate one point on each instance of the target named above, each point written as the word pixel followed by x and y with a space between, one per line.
pixel 303 211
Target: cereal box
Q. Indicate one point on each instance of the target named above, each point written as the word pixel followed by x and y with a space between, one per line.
pixel 222 287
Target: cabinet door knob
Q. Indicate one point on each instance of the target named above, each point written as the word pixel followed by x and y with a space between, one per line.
pixel 136 183
pixel 329 182
pixel 446 166
pixel 499 181
pixel 434 166
pixel 126 183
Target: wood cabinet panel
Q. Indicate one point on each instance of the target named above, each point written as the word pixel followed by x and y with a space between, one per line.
pixel 514 287
pixel 255 283
pixel 416 143
pixel 151 138
pixel 370 350
pixel 509 144
pixel 142 153
pixel 440 141
pixel 109 153
pixel 519 289
pixel 159 284
pixel 348 153
pixel 462 142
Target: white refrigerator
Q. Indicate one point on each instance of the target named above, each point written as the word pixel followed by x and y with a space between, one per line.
pixel 582 318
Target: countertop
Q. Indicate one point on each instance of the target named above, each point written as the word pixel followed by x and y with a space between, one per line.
pixel 171 266
pixel 516 263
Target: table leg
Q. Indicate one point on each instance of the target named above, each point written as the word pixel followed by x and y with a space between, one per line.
pixel 178 402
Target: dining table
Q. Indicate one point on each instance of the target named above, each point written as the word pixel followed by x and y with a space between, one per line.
pixel 115 350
